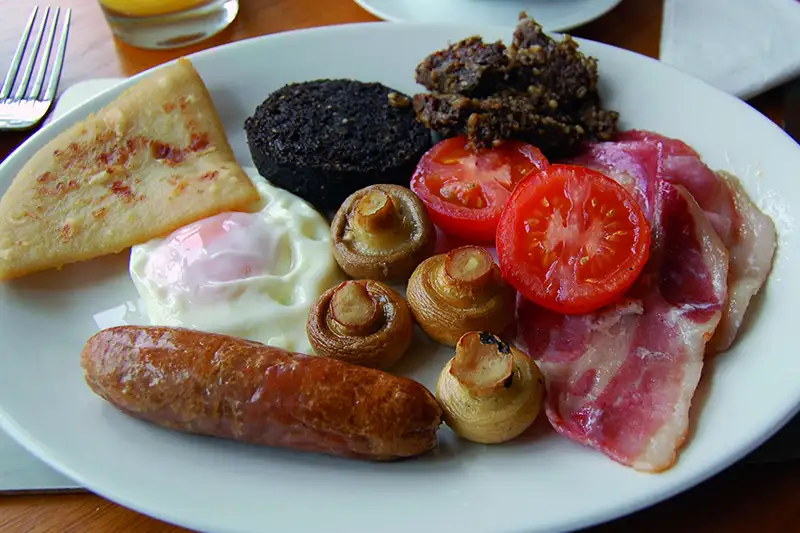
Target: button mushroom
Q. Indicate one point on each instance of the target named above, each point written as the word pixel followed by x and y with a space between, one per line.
pixel 490 392
pixel 382 232
pixel 361 322
pixel 451 294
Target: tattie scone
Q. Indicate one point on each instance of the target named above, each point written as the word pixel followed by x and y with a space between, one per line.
pixel 153 160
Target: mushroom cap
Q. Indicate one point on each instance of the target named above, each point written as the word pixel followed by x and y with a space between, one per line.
pixel 394 265
pixel 498 417
pixel 382 347
pixel 446 320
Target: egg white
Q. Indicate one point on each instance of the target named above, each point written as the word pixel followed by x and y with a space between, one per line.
pixel 268 308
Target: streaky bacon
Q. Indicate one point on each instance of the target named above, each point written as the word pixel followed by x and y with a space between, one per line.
pixel 621 380
pixel 683 166
pixel 641 158
pixel 636 165
pixel 752 252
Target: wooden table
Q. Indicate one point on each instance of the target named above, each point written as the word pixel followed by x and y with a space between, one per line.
pixel 745 498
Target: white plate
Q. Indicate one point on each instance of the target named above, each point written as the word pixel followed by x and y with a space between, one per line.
pixel 542 484
pixel 553 15
pixel 19 470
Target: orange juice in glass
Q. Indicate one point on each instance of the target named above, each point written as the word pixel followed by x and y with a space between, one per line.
pixel 168 23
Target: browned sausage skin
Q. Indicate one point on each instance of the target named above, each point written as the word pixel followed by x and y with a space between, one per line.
pixel 231 388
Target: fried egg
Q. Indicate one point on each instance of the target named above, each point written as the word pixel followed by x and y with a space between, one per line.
pixel 252 274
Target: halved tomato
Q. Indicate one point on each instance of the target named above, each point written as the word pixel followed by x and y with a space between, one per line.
pixel 465 190
pixel 572 239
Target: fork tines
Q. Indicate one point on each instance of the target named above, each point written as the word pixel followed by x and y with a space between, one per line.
pixel 38 53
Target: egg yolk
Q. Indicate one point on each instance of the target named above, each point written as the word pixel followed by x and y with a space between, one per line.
pixel 204 260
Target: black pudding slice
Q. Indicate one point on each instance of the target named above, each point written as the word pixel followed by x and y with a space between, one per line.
pixel 325 139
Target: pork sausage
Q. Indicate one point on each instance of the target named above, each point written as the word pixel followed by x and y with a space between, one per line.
pixel 227 387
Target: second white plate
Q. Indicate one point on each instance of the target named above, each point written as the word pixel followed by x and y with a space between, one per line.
pixel 553 15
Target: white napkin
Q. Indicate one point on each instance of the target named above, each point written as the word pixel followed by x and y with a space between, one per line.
pixel 743 47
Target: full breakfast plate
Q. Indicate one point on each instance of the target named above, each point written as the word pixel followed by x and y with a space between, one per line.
pixel 156 367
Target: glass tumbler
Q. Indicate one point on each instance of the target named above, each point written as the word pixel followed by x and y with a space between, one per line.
pixel 160 24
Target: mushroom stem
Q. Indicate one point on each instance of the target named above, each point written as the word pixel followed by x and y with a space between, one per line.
pixel 467 271
pixel 483 364
pixel 353 311
pixel 470 265
pixel 376 219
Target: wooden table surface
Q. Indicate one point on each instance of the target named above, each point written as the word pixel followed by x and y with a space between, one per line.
pixel 745 498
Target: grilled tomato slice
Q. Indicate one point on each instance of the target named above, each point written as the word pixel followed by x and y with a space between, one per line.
pixel 465 190
pixel 571 239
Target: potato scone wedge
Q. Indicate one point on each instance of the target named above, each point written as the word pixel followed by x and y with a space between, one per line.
pixel 154 160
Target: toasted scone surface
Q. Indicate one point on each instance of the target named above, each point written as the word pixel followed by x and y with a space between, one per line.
pixel 154 160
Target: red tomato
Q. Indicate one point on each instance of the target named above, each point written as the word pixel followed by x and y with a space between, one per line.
pixel 465 191
pixel 572 239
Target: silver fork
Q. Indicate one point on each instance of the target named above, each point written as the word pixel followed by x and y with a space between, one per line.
pixel 23 108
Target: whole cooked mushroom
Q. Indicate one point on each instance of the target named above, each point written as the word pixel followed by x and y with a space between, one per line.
pixel 362 322
pixel 463 290
pixel 490 392
pixel 382 232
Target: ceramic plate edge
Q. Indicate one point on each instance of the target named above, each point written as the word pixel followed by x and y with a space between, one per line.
pixel 369 8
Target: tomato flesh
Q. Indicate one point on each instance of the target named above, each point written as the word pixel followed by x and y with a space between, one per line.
pixel 465 190
pixel 572 239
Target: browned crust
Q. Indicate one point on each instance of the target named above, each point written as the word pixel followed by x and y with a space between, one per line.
pixel 231 388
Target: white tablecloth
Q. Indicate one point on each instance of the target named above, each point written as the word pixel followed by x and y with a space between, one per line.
pixel 743 47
